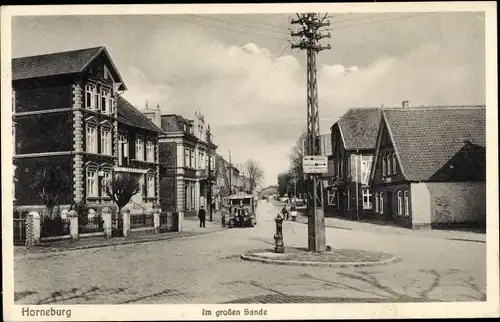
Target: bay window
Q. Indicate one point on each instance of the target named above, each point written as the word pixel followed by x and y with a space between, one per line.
pixel 91 139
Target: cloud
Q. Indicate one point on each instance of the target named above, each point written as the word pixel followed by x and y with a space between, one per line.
pixel 256 102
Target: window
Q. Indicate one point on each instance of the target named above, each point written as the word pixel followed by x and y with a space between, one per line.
pixel 341 169
pixel 348 199
pixel 389 165
pixel 192 164
pixel 394 164
pixel 139 149
pixel 211 163
pixel 105 142
pixel 193 196
pixel 106 177
pixel 367 199
pixel 400 203
pixel 150 156
pixel 186 157
pixel 91 139
pixel 105 102
pixel 335 171
pixel 381 201
pixel 407 204
pixel 350 159
pixel 365 171
pixel 92 182
pixel 331 197
pixel 91 97
pixel 122 148
pixel 150 185
pixel 384 166
pixel 376 202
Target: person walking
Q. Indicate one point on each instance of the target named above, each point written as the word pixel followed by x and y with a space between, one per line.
pixel 201 215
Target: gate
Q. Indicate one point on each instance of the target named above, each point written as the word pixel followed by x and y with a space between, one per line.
pixel 163 222
pixel 19 231
pixel 116 227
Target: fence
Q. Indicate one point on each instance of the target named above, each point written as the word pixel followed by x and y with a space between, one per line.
pixel 92 225
pixel 142 221
pixel 116 227
pixel 19 231
pixel 54 227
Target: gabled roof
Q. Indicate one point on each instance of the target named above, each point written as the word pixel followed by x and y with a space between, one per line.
pixel 427 138
pixel 60 63
pixel 358 127
pixel 128 114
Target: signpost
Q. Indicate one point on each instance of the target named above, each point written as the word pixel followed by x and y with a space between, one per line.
pixel 315 164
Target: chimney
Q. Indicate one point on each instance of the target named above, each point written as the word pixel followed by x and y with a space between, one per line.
pixel 406 104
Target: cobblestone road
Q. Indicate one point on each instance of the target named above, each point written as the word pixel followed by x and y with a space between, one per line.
pixel 207 269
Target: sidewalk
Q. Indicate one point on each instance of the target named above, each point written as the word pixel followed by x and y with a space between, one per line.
pixel 189 228
pixel 389 229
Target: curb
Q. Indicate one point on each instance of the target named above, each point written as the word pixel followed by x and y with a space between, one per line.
pixel 126 242
pixel 262 259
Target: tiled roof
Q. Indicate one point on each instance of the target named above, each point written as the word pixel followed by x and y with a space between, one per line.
pixel 169 123
pixel 427 138
pixel 60 63
pixel 359 128
pixel 128 114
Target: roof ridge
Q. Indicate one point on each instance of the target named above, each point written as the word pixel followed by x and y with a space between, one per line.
pixel 437 107
pixel 59 52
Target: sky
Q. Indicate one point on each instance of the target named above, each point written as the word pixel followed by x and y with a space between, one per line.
pixel 241 73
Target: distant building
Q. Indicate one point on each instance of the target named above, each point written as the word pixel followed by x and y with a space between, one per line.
pixel 429 167
pixel 185 156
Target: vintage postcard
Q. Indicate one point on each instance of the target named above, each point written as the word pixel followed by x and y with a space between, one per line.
pixel 249 162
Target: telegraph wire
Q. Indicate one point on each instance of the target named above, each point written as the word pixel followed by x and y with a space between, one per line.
pixel 239 24
pixel 379 21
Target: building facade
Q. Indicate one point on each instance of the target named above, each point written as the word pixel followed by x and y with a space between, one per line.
pixel 353 138
pixel 429 166
pixel 68 113
pixel 185 157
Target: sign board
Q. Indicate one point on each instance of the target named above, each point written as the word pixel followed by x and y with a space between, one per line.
pixel 315 164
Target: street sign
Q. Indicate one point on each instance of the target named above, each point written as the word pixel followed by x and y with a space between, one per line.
pixel 315 164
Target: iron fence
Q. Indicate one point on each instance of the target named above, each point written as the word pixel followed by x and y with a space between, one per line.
pixel 142 220
pixel 19 231
pixel 92 225
pixel 54 227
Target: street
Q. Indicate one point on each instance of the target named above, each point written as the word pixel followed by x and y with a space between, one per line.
pixel 208 269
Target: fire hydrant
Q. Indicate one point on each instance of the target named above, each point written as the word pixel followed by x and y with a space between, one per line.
pixel 278 237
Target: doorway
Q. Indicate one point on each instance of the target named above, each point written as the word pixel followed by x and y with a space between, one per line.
pixel 388 206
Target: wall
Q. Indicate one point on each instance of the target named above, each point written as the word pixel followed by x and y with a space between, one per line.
pixel 40 95
pixel 457 202
pixel 44 133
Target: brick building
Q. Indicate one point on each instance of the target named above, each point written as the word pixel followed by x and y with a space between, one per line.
pixel 429 166
pixel 353 138
pixel 67 111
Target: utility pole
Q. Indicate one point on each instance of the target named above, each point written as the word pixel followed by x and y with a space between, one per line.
pixel 209 195
pixel 308 39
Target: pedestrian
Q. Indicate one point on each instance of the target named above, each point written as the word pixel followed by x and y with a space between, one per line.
pixel 201 215
pixel 284 211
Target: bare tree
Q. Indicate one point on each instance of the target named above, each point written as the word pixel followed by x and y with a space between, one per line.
pixel 50 183
pixel 254 173
pixel 122 188
pixel 296 158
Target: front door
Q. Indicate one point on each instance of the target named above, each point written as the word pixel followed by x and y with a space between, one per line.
pixel 388 206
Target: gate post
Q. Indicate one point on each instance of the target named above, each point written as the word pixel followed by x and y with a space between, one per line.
pixel 73 224
pixel 126 222
pixel 156 220
pixel 106 218
pixel 33 229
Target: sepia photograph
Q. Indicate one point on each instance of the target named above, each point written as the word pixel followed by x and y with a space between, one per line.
pixel 230 158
